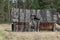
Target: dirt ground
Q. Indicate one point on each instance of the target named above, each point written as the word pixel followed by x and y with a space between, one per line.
pixel 6 34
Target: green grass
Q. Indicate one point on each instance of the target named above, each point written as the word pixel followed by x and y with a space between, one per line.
pixel 1 34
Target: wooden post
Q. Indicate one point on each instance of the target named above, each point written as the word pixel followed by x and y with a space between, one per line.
pixel 29 22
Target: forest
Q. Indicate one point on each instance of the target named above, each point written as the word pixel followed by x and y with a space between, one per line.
pixel 7 5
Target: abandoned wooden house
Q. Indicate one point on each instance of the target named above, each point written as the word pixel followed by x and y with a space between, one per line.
pixel 33 20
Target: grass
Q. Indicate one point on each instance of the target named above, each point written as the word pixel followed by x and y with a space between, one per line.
pixel 1 34
pixel 3 27
pixel 4 35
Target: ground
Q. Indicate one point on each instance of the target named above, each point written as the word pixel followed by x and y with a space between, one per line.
pixel 6 34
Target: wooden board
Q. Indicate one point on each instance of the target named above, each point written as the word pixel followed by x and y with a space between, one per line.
pixel 20 26
pixel 45 15
pixel 45 26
